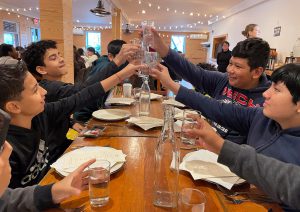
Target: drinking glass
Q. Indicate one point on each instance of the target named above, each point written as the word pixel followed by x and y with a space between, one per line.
pixel 191 200
pixel 99 177
pixel 147 34
pixel 188 123
pixel 127 90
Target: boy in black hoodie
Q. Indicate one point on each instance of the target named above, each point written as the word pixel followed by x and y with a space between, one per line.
pixel 33 121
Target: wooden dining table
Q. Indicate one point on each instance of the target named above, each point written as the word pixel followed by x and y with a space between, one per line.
pixel 131 187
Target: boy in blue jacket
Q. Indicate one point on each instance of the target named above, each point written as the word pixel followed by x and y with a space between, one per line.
pixel 273 130
pixel 243 84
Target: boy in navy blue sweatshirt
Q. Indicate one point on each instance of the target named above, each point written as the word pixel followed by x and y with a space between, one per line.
pixel 243 84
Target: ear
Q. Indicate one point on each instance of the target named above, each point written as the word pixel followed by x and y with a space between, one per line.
pixel 13 107
pixel 41 70
pixel 110 56
pixel 257 72
pixel 298 107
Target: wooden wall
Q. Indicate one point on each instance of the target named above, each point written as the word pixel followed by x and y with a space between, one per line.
pixel 24 26
pixel 194 51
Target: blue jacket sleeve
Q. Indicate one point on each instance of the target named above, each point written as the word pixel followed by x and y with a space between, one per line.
pixel 204 80
pixel 231 116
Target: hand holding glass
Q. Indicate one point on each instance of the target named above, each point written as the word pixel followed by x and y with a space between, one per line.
pixel 187 124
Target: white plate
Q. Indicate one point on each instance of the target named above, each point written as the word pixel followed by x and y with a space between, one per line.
pixel 111 114
pixel 120 101
pixel 73 159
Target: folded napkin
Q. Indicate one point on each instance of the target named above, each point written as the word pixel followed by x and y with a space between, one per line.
pixel 203 165
pixel 120 101
pixel 72 160
pixel 173 102
pixel 153 96
pixel 146 122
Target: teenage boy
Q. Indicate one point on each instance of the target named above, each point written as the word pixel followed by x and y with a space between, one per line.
pixel 273 130
pixel 243 84
pixel 103 66
pixel 37 198
pixel 34 124
pixel 45 62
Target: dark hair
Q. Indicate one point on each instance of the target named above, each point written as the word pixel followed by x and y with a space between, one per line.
pixel 12 79
pixel 115 46
pixel 80 51
pixel 91 49
pixel 20 49
pixel 34 54
pixel 207 66
pixel 226 43
pixel 289 74
pixel 5 49
pixel 256 50
pixel 248 28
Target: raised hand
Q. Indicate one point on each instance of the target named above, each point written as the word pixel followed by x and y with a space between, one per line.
pixel 126 53
pixel 5 169
pixel 71 185
pixel 207 137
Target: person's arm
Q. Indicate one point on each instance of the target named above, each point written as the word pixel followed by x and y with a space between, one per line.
pixel 38 198
pixel 66 106
pixel 228 115
pixel 278 179
pixel 203 80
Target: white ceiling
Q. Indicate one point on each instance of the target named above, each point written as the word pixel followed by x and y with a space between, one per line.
pixel 165 17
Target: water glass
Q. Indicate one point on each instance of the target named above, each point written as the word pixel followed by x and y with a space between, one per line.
pixel 188 123
pixel 99 176
pixel 147 33
pixel 127 90
pixel 136 92
pixel 191 200
pixel 151 59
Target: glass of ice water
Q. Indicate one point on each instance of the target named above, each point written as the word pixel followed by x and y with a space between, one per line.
pixel 99 176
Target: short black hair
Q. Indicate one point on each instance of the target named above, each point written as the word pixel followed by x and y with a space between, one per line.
pixel 5 49
pixel 226 42
pixel 289 74
pixel 80 51
pixel 34 54
pixel 256 50
pixel 12 79
pixel 115 46
pixel 91 49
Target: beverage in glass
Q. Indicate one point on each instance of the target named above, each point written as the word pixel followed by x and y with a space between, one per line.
pixel 99 177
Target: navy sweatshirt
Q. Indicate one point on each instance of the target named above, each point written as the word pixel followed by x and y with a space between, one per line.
pixel 36 148
pixel 262 133
pixel 216 85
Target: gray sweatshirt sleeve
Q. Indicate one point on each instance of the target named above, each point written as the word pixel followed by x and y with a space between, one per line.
pixel 278 179
pixel 31 198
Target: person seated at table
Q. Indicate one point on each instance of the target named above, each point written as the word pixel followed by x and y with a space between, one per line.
pixel 33 122
pixel 243 84
pixel 103 64
pixel 273 130
pixel 91 56
pixel 280 180
pixel 45 63
pixel 38 198
pixel 7 53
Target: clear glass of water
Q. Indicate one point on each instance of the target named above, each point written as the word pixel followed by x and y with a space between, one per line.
pixel 147 34
pixel 191 200
pixel 188 123
pixel 99 177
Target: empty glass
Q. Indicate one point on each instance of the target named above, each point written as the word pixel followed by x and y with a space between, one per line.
pixel 191 200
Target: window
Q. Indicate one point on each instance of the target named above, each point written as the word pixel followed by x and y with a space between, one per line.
pixel 35 34
pixel 93 39
pixel 178 43
pixel 11 33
